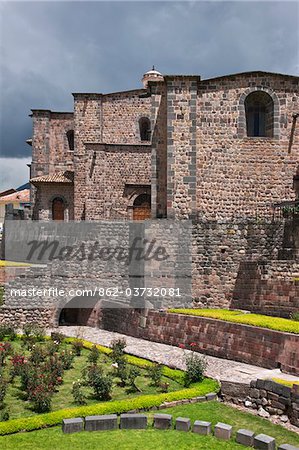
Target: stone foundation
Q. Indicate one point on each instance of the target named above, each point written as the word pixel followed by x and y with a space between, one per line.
pixel 266 396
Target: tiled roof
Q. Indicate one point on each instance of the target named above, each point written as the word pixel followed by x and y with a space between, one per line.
pixel 58 177
pixel 15 197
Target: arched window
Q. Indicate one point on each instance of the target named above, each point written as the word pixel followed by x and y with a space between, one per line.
pixel 259 110
pixel 142 207
pixel 70 139
pixel 58 209
pixel 145 128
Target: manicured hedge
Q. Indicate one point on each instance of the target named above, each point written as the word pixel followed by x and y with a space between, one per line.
pixel 256 320
pixel 120 406
pixel 285 382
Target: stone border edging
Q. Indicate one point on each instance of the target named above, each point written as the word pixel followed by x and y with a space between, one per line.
pixel 135 421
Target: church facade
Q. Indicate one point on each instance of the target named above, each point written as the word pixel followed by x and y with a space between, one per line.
pixel 223 152
pixel 224 148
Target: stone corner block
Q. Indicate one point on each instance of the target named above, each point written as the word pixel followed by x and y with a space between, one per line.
pixel 223 431
pixel 101 423
pixel 133 421
pixel 264 442
pixel 72 425
pixel 183 424
pixel 287 447
pixel 202 427
pixel 162 421
pixel 211 396
pixel 245 437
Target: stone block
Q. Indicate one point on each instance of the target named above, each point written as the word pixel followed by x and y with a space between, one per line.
pixel 245 437
pixel 133 421
pixel 182 424
pixel 72 425
pixel 264 442
pixel 223 431
pixel 201 398
pixel 162 421
pixel 211 396
pixel 101 423
pixel 287 447
pixel 201 427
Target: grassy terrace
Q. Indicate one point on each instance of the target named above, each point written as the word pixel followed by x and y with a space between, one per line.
pixel 256 320
pixel 24 417
pixel 154 439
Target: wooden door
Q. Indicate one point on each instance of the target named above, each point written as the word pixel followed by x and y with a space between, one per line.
pixel 142 212
pixel 58 209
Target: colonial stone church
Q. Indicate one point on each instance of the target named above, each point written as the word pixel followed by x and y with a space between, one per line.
pixel 222 152
pixel 179 147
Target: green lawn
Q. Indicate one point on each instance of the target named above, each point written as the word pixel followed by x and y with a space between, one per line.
pixel 18 407
pixel 53 438
pixel 256 320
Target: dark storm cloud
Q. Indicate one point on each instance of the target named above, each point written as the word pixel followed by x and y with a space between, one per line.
pixel 49 50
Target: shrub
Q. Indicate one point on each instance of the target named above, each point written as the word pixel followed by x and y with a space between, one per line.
pixel 100 383
pixel 5 350
pixel 155 373
pixel 41 398
pixel 3 388
pixel 133 373
pixel 93 355
pixel 4 416
pixel 164 387
pixel 195 365
pixel 66 357
pixel 51 347
pixel 7 331
pixel 34 331
pixel 18 363
pixel 295 316
pixel 121 371
pixel 77 347
pixel 38 354
pixel 57 337
pixel 117 346
pixel 77 393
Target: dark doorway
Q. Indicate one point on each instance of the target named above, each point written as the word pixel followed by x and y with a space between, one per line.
pixel 80 311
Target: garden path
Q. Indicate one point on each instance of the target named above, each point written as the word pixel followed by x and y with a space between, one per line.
pixel 217 368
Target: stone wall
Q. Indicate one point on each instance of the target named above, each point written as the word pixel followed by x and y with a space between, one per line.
pixel 115 176
pixel 45 196
pixel 266 396
pixel 121 112
pixel 218 248
pixel 50 148
pixel 252 345
pixel 239 176
pixel 268 288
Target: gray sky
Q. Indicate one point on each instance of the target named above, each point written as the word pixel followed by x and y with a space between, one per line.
pixel 50 49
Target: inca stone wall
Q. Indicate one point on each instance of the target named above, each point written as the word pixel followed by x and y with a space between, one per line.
pixel 252 345
pixel 218 249
pixel 266 396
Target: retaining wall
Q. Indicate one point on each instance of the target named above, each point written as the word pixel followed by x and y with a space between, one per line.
pixel 244 343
